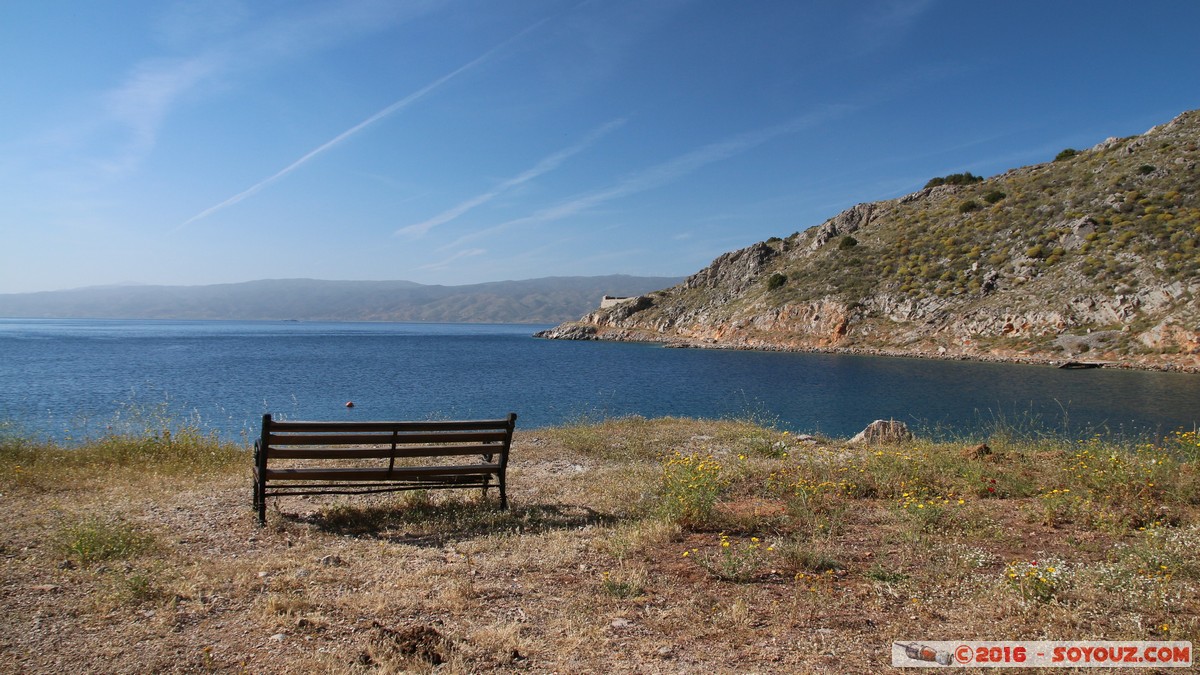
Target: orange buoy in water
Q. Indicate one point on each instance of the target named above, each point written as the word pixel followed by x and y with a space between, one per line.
pixel 349 404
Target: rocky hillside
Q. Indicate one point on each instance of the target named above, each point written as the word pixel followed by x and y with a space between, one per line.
pixel 1094 256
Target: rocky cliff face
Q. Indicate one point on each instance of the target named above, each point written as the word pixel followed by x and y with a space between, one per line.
pixel 1093 257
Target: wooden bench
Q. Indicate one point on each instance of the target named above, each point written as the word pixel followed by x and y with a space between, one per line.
pixel 316 458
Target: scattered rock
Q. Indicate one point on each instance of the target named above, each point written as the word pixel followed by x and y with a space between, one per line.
pixel 989 282
pixel 883 431
pixel 621 623
pixel 977 451
pixel 278 637
pixel 45 588
pixel 420 641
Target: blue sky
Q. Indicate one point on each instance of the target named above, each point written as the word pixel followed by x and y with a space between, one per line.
pixel 463 141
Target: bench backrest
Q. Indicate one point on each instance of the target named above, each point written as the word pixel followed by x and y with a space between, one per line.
pixel 390 441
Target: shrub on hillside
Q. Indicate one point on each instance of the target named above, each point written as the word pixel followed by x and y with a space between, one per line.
pixel 965 178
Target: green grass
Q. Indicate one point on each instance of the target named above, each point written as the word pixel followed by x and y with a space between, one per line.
pixel 94 539
pixel 142 440
pixel 690 486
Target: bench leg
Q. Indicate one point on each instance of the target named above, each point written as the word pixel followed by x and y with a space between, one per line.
pixel 503 495
pixel 260 502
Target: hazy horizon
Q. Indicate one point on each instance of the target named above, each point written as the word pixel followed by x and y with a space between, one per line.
pixel 136 284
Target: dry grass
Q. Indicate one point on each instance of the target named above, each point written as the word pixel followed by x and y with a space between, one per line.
pixel 814 556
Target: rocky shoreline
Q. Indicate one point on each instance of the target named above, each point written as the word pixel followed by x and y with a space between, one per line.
pixel 592 332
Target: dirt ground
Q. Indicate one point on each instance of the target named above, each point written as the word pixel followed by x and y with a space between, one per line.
pixel 574 578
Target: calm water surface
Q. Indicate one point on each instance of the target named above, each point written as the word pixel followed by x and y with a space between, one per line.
pixel 68 379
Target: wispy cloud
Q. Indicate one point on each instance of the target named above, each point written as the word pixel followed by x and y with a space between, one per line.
pixel 342 137
pixel 888 21
pixel 666 172
pixel 154 87
pixel 146 97
pixel 544 166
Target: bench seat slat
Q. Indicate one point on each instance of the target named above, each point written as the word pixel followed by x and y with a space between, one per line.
pixel 380 474
pixel 276 440
pixel 382 453
pixel 450 425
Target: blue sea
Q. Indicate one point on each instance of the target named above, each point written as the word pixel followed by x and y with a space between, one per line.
pixel 73 379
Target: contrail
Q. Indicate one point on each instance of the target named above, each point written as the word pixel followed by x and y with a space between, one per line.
pixel 336 140
pixel 545 165
pixel 664 173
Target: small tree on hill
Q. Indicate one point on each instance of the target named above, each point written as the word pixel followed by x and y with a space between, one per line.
pixel 965 178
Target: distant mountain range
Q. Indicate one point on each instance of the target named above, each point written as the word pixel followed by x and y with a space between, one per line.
pixel 545 300
pixel 1094 256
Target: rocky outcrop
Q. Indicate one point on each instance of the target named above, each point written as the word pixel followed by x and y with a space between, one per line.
pixel 841 225
pixel 570 331
pixel 733 272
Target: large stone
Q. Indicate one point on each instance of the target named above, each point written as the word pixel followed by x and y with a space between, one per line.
pixel 883 431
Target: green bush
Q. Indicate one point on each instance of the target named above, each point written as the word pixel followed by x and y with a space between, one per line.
pixel 968 206
pixel 690 486
pixel 965 178
pixel 993 196
pixel 1066 154
pixel 847 242
pixel 776 281
pixel 93 540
